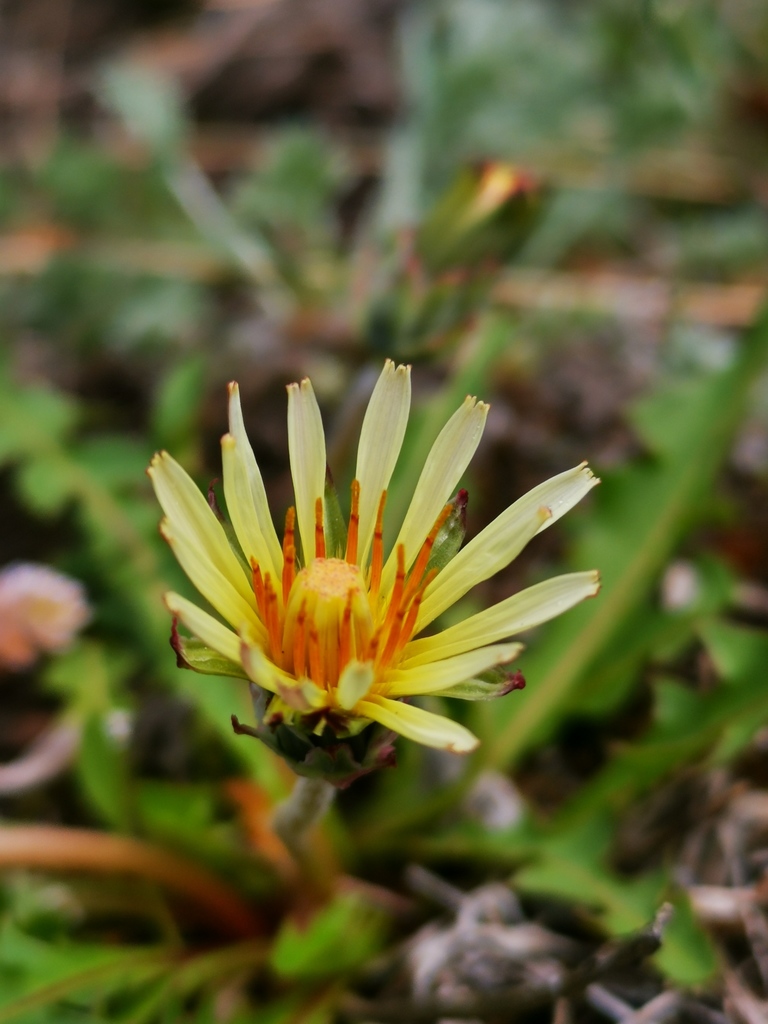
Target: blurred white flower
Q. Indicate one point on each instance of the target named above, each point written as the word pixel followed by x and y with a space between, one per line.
pixel 41 610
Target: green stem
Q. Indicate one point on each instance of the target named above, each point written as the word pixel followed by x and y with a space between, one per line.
pixel 295 816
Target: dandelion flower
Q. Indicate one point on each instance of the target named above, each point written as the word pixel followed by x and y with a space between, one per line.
pixel 326 622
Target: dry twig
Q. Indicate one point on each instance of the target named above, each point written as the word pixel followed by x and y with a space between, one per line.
pixel 515 1000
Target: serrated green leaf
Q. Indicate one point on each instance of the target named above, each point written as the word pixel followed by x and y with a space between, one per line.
pixel 639 517
pixel 687 727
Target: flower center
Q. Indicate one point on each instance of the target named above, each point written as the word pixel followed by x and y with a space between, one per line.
pixel 328 620
pixel 330 578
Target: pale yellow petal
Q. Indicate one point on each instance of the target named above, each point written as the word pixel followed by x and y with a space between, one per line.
pixel 204 626
pixel 298 694
pixel 242 512
pixel 191 517
pixel 381 439
pixel 212 584
pixel 278 712
pixel 522 611
pixel 306 446
pixel 446 462
pixel 355 682
pixel 439 675
pixel 263 672
pixel 502 540
pixel 258 667
pixel 418 725
pixel 248 465
pixel 302 695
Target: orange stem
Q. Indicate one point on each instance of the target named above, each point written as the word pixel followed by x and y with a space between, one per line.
pixel 54 848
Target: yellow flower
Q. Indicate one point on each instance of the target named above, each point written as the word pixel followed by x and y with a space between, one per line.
pixel 331 629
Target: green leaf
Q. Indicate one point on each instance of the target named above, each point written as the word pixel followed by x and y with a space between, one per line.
pixel 570 864
pixel 194 654
pixel 687 954
pixel 492 684
pixel 296 1008
pixel 31 415
pixel 334 524
pixel 45 485
pixel 177 405
pixel 640 517
pixel 117 461
pixel 150 104
pixel 323 948
pixel 295 185
pixel 35 974
pixel 90 676
pixel 687 725
pixel 103 773
pixel 205 971
pixel 450 536
pixel 735 650
pixel 169 809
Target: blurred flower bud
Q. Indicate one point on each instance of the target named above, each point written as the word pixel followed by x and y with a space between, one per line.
pixel 448 264
pixel 482 216
pixel 41 611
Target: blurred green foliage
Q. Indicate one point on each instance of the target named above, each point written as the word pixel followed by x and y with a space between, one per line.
pixel 117 343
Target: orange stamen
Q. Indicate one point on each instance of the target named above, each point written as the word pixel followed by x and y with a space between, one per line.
pixel 377 560
pixel 397 590
pixel 289 553
pixel 345 635
pixel 299 642
pixel 289 571
pixel 315 661
pixel 413 613
pixel 354 524
pixel 424 554
pixel 319 530
pixel 394 635
pixel 258 590
pixel 373 646
pixel 272 619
